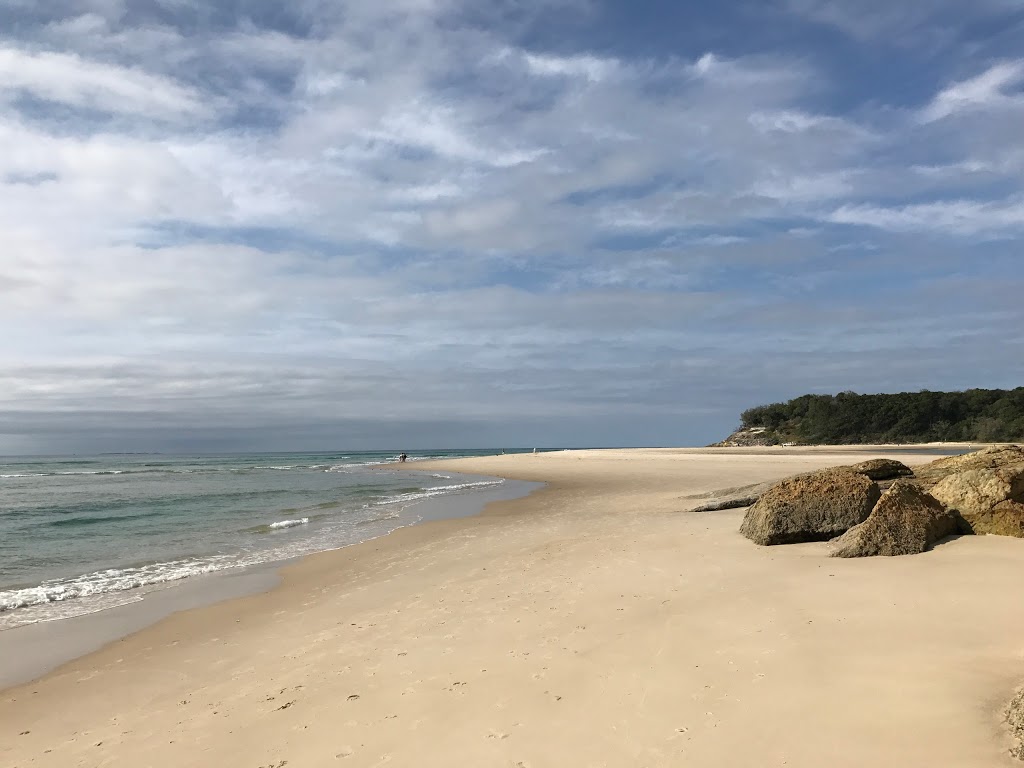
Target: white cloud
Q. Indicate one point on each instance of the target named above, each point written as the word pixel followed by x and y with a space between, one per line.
pixel 436 129
pixel 796 188
pixel 986 91
pixel 589 67
pixel 796 121
pixel 70 79
pixel 969 218
pixel 385 206
pixel 953 170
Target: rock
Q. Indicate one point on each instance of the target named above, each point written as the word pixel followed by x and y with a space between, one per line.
pixel 731 498
pixel 929 475
pixel 985 488
pixel 988 500
pixel 905 521
pixel 1015 721
pixel 1004 519
pixel 733 502
pixel 881 469
pixel 813 507
pixel 753 437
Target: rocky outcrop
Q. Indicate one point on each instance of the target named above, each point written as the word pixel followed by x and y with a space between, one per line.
pixel 881 469
pixel 905 521
pixel 977 491
pixel 929 475
pixel 754 437
pixel 813 507
pixel 985 489
pixel 744 496
pixel 1004 519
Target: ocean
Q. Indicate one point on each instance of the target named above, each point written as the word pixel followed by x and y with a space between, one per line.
pixel 79 534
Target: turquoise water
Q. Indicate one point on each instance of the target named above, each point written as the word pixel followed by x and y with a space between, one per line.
pixel 79 534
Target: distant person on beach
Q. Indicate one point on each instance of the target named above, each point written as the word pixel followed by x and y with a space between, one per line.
pixel 402 457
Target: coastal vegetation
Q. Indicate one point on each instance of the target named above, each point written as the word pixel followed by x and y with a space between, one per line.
pixel 975 415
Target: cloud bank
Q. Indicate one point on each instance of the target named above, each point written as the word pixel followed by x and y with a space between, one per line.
pixel 261 227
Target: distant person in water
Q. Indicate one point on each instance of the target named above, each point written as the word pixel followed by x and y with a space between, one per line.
pixel 402 457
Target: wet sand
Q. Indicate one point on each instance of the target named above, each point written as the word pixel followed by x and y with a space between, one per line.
pixel 593 623
pixel 29 651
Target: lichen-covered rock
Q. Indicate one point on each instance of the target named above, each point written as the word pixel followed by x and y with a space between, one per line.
pixel 905 521
pixel 1004 519
pixel 881 469
pixel 975 493
pixel 929 475
pixel 744 496
pixel 812 507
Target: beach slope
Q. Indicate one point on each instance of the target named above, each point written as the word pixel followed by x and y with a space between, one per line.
pixel 593 623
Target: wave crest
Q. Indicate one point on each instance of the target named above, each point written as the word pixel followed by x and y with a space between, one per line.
pixel 288 523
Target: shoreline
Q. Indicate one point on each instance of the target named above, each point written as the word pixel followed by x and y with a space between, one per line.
pixel 30 651
pixel 591 622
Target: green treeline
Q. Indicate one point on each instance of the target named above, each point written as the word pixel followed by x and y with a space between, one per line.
pixel 977 415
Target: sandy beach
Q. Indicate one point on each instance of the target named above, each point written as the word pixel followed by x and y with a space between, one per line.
pixel 595 622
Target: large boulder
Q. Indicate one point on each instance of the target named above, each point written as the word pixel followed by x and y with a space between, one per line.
pixel 812 507
pixel 929 475
pixel 743 496
pixel 881 469
pixel 1004 519
pixel 905 521
pixel 989 500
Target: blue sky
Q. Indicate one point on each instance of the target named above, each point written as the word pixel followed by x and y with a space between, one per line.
pixel 258 225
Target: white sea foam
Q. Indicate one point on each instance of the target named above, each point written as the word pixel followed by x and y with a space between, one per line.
pixel 44 612
pixel 92 472
pixel 438 490
pixel 110 580
pixel 98 590
pixel 78 472
pixel 289 523
pixel 350 468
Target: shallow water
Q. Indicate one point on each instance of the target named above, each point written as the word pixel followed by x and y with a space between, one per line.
pixel 84 533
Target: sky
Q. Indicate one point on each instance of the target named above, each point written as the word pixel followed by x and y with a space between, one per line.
pixel 255 225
